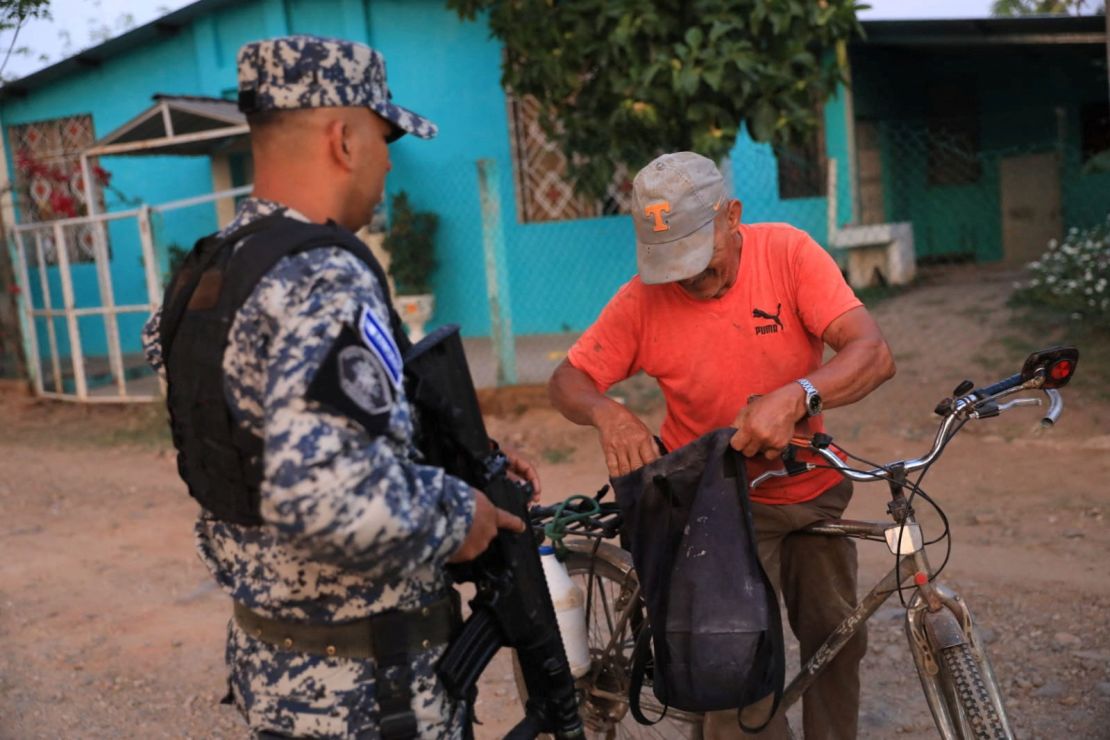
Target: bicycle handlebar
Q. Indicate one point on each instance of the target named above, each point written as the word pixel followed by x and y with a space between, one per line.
pixel 1039 373
pixel 1003 385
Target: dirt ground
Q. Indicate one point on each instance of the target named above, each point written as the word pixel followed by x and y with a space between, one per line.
pixel 110 626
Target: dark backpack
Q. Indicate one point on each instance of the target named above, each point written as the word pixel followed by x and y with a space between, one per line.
pixel 713 634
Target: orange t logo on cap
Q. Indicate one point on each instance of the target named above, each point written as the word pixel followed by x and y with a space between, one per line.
pixel 656 211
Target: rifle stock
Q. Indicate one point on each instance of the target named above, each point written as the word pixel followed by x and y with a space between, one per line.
pixel 512 606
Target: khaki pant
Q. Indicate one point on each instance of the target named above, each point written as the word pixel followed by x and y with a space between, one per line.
pixel 816 577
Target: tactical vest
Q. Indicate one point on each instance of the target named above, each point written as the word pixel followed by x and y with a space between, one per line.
pixel 219 458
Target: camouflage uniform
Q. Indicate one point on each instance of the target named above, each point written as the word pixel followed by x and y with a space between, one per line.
pixel 354 525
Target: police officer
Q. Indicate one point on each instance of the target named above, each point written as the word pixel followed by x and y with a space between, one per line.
pixel 283 361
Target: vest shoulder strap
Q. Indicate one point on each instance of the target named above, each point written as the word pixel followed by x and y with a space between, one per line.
pixel 246 266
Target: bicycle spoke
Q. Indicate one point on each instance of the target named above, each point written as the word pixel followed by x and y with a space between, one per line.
pixel 615 611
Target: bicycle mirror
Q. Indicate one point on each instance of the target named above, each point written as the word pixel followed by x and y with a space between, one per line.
pixel 1056 363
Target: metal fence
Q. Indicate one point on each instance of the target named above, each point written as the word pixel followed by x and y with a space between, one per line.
pixel 525 265
pixel 81 336
pixel 913 195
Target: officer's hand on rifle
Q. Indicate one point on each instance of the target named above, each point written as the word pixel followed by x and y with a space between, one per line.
pixel 522 468
pixel 487 520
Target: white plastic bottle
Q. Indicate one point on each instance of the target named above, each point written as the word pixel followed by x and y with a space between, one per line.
pixel 570 611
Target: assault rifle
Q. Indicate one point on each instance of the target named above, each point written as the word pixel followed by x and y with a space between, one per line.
pixel 512 606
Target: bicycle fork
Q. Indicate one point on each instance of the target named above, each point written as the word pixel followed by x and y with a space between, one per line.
pixel 938 618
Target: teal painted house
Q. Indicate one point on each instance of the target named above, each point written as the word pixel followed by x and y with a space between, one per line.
pixel 976 132
pixel 981 133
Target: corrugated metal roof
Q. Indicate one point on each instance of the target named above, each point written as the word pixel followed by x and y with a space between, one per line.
pixel 216 109
pixel 1025 30
pixel 167 25
pixel 179 124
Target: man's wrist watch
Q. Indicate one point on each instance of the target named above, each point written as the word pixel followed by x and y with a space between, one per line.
pixel 813 398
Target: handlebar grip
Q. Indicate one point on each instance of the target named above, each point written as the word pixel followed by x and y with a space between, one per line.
pixel 1055 408
pixel 1003 385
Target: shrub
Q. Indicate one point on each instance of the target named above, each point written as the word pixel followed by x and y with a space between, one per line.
pixel 410 242
pixel 1073 275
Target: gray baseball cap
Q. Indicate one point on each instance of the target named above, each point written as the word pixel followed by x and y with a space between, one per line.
pixel 674 201
pixel 294 72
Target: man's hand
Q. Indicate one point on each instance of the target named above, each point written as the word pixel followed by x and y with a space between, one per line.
pixel 487 520
pixel 521 467
pixel 766 424
pixel 627 443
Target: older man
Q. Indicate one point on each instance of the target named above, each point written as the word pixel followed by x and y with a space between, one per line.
pixel 731 320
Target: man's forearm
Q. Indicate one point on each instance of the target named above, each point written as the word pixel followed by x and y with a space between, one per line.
pixel 862 362
pixel 574 395
pixel 858 368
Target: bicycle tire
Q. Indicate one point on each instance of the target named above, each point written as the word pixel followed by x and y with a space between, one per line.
pixel 971 694
pixel 603 693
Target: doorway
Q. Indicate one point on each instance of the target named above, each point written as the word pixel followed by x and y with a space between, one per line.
pixel 1030 200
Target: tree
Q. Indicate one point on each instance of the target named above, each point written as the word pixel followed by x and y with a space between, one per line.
pixel 1046 7
pixel 13 14
pixel 622 80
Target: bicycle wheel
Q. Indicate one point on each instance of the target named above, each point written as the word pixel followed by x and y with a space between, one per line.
pixel 971 695
pixel 609 582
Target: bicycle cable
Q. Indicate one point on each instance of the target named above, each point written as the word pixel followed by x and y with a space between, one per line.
pixel 586 507
pixel 915 489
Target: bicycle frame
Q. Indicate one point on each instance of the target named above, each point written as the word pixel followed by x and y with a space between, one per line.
pixel 936 618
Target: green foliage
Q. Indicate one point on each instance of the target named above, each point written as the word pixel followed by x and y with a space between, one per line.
pixel 1073 276
pixel 623 80
pixel 411 246
pixel 1045 7
pixel 13 13
pixel 177 255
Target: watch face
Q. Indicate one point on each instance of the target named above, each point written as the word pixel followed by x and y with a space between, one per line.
pixel 814 403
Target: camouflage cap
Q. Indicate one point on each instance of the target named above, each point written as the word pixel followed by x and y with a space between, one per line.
pixel 294 72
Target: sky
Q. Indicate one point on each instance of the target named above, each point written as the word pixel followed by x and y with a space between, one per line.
pixel 78 24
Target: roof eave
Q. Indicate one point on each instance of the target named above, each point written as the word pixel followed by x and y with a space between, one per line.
pixel 93 57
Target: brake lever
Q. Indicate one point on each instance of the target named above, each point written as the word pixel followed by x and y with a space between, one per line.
pixel 791 463
pixel 791 466
pixel 1020 402
pixel 989 408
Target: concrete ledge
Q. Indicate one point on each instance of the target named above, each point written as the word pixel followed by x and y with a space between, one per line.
pixel 877 253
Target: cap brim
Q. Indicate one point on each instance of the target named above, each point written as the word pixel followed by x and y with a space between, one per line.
pixel 404 121
pixel 677 260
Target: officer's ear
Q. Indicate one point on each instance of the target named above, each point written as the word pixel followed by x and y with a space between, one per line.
pixel 338 135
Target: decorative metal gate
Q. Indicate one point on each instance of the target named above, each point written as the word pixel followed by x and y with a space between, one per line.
pixel 45 256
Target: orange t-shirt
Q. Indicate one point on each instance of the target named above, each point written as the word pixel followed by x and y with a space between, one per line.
pixel 710 356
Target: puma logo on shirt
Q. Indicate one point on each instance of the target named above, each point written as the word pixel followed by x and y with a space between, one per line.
pixel 768 328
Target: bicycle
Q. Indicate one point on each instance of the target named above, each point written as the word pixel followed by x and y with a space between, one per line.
pixel 956 676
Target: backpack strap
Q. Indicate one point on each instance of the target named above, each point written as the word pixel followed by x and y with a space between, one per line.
pixel 770 653
pixel 641 654
pixel 644 641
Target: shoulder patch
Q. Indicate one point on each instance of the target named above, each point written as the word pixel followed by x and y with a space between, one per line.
pixel 355 381
pixel 380 340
